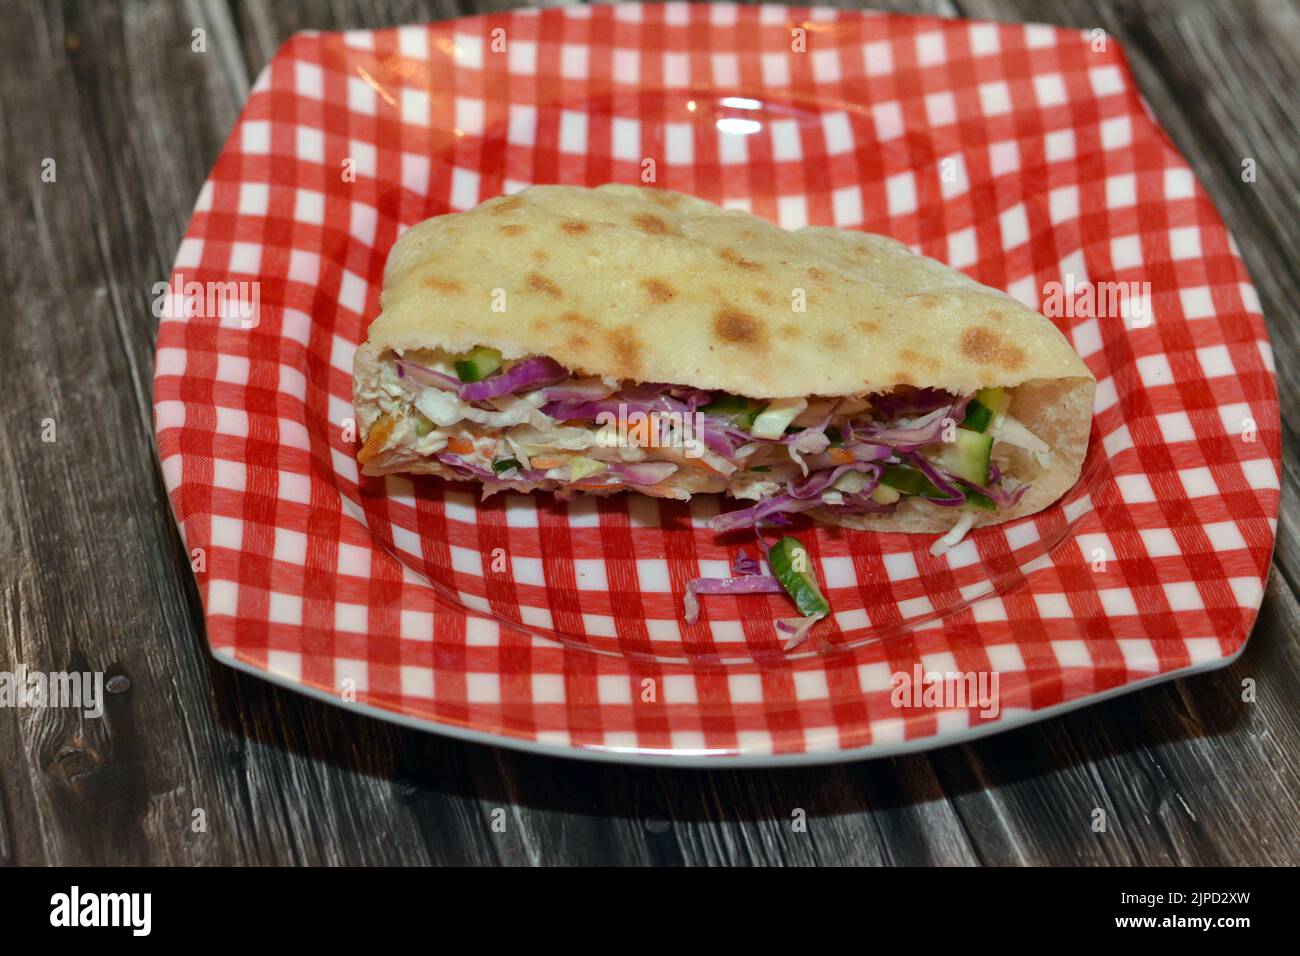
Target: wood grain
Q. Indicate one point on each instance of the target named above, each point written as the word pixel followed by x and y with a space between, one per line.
pixel 93 575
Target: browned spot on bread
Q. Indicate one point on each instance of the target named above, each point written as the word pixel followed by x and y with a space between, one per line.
pixel 817 275
pixel 658 290
pixel 834 340
pixel 445 286
pixel 983 345
pixel 573 227
pixel 994 315
pixel 665 198
pixel 915 358
pixel 539 283
pixel 865 325
pixel 511 229
pixel 577 318
pixel 902 378
pixel 509 204
pixel 739 261
pixel 790 332
pixel 649 222
pixel 762 295
pixel 738 328
pixel 577 342
pixel 626 347
pixel 539 255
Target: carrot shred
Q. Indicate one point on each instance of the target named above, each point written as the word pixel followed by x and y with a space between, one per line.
pixel 460 446
pixel 701 464
pixel 377 438
pixel 842 456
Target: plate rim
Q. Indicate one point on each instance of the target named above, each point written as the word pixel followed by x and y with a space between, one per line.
pixel 723 760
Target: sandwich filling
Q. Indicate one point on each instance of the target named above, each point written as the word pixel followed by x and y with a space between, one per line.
pixel 530 424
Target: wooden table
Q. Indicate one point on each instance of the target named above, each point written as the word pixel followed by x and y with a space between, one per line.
pixel 94 577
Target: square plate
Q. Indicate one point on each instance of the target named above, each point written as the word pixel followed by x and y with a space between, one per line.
pixel 1022 154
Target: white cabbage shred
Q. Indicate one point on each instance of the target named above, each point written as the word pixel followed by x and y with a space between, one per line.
pixel 954 537
pixel 1009 430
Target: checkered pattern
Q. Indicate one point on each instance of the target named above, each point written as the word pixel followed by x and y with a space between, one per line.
pixel 1021 154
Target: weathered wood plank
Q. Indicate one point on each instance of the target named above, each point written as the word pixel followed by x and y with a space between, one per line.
pixel 94 575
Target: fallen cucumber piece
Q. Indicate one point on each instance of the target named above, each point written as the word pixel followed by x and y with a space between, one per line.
pixel 787 557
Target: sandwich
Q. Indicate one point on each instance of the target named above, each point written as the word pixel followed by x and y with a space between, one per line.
pixel 597 341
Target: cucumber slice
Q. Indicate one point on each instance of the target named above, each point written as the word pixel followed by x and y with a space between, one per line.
pixel 422 425
pixel 978 502
pixel 997 400
pixel 883 495
pixel 986 406
pixel 909 481
pixel 978 416
pixel 583 467
pixel 851 482
pixel 967 456
pixel 787 558
pixel 505 464
pixel 772 421
pixel 477 364
pixel 740 410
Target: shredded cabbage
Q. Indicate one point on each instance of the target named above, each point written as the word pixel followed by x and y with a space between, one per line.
pixel 797 629
pixel 526 374
pixel 444 408
pixel 1009 430
pixel 744 584
pixel 441 408
pixel 532 400
pixel 954 537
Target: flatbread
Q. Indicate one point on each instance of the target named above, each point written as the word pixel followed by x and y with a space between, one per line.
pixel 654 286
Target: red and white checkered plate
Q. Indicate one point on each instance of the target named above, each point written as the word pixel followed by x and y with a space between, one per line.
pixel 1023 155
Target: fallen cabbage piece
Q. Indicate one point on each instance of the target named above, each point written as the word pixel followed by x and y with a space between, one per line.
pixel 791 574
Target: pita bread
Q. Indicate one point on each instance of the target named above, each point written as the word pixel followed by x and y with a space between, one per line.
pixel 647 285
